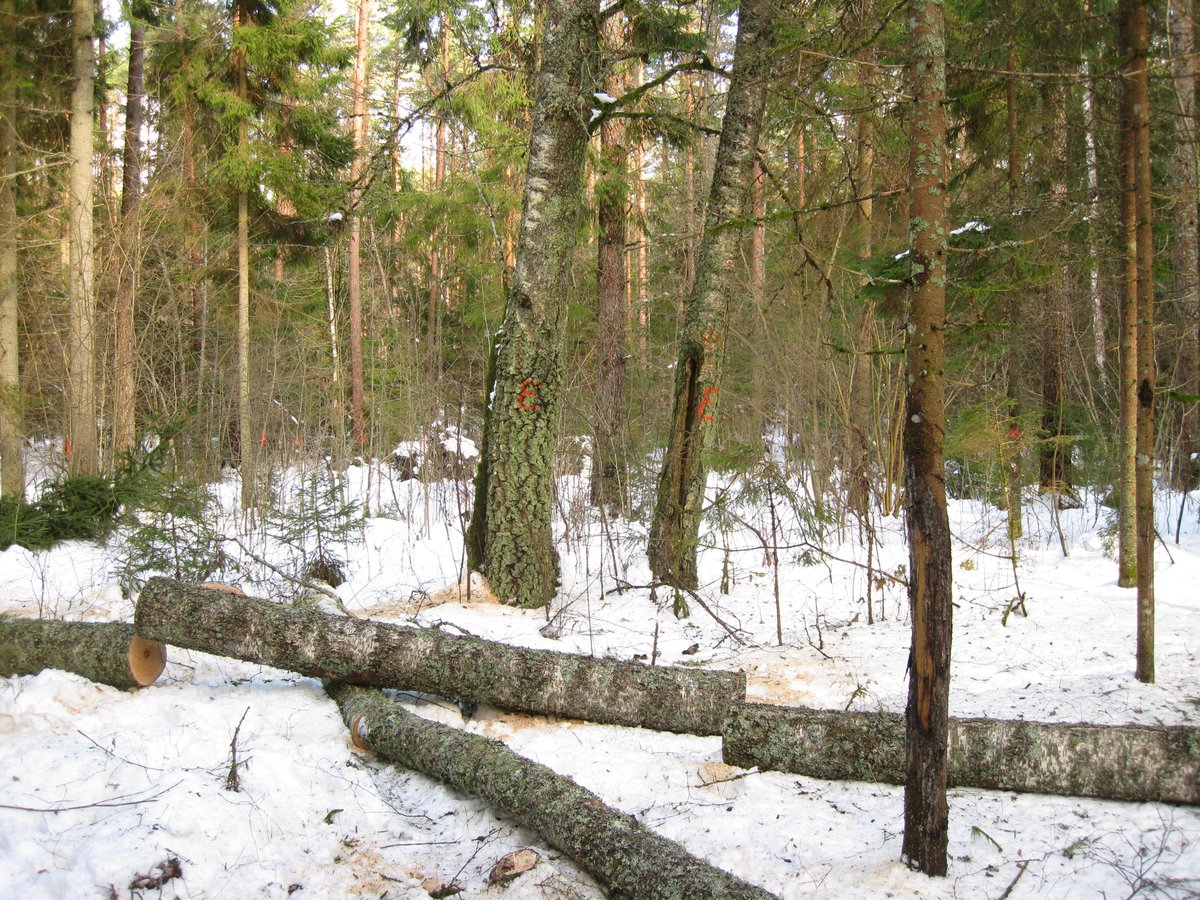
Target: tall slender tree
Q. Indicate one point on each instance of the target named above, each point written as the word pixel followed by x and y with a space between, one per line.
pixel 1185 464
pixel 131 188
pixel 612 332
pixel 930 583
pixel 1134 29
pixel 674 533
pixel 1055 451
pixel 12 464
pixel 80 385
pixel 358 169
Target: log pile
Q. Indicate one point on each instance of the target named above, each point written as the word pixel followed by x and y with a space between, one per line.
pixel 1110 762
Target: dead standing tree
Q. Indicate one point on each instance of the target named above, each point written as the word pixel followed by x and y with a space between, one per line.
pixel 930 582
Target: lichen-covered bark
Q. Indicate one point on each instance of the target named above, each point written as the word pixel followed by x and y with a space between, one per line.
pixel 675 530
pixel 101 651
pixel 628 859
pixel 930 580
pixel 425 659
pixel 1128 762
pixel 517 544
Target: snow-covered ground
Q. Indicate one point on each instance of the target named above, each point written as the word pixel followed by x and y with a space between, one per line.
pixel 105 793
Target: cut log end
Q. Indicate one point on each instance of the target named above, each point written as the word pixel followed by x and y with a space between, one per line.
pixel 147 659
pixel 356 735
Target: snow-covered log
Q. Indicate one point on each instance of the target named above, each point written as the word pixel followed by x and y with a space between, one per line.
pixel 1127 762
pixel 105 652
pixel 426 659
pixel 625 857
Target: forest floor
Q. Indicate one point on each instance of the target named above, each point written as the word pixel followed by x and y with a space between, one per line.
pixel 113 794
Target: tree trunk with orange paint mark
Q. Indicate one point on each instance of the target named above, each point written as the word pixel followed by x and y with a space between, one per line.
pixel 510 536
pixel 675 530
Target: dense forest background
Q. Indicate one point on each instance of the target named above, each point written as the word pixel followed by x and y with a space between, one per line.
pixel 362 169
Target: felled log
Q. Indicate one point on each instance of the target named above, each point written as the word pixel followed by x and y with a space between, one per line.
pixel 105 652
pixel 628 859
pixel 425 659
pixel 1127 762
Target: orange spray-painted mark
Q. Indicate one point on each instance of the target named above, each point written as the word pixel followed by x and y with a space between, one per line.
pixel 529 392
pixel 707 398
pixel 262 438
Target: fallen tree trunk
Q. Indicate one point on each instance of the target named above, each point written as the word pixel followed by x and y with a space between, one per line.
pixel 628 859
pixel 425 659
pixel 105 652
pixel 1128 762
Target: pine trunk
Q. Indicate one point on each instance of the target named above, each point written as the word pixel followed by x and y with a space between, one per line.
pixel 12 457
pixel 627 858
pixel 428 660
pixel 930 582
pixel 124 424
pixel 514 538
pixel 1137 29
pixel 674 533
pixel 248 446
pixel 1127 483
pixel 80 384
pixel 105 652
pixel 1126 762
pixel 609 473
